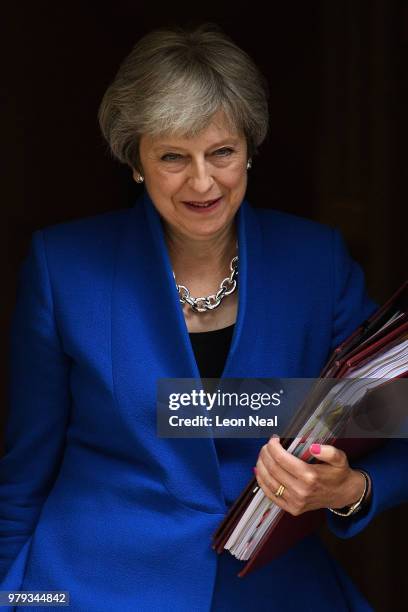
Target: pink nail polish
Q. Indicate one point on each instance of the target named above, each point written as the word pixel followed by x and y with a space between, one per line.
pixel 315 448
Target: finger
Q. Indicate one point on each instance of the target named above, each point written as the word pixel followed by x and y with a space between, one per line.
pixel 329 454
pixel 269 488
pixel 275 470
pixel 267 480
pixel 283 501
pixel 295 466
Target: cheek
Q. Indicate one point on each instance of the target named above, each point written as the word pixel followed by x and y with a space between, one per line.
pixel 166 183
pixel 236 176
pixel 237 182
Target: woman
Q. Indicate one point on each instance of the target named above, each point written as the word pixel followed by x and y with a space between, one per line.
pixel 92 501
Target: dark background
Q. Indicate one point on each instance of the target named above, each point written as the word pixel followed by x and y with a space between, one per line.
pixel 336 150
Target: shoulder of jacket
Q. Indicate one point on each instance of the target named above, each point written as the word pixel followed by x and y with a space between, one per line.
pixel 96 230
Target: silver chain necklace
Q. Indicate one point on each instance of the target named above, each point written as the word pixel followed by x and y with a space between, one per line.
pixel 201 304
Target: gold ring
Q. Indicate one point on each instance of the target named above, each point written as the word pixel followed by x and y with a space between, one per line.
pixel 280 491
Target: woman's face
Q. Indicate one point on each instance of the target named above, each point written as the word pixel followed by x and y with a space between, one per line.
pixel 182 174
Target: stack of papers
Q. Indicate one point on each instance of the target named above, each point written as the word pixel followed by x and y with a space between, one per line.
pixel 256 530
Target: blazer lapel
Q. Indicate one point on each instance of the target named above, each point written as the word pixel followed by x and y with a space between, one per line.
pixel 241 358
pixel 150 341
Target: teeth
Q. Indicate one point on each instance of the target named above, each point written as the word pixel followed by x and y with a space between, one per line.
pixel 202 205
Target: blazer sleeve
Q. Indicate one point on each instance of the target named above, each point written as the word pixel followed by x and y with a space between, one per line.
pixel 39 402
pixel 388 465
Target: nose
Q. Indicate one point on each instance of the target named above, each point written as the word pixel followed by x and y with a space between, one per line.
pixel 200 179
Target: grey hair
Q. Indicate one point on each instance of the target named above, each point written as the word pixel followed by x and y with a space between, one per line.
pixel 174 81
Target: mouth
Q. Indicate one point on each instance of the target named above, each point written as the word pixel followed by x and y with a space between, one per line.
pixel 203 206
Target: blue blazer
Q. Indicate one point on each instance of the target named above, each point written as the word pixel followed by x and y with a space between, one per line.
pixel 91 500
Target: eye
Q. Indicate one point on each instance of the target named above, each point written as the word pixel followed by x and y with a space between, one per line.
pixel 171 157
pixel 224 152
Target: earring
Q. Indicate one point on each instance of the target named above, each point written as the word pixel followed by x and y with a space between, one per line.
pixel 249 164
pixel 139 178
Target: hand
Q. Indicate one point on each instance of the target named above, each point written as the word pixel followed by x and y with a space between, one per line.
pixel 308 486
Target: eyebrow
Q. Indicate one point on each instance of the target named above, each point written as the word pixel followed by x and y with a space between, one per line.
pixel 216 144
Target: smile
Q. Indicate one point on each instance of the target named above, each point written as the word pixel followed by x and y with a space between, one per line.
pixel 202 206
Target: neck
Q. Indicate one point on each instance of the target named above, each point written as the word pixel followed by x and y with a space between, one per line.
pixel 204 257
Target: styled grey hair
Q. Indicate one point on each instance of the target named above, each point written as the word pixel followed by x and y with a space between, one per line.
pixel 174 81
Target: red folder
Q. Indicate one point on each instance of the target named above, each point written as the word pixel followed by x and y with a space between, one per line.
pixel 365 342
